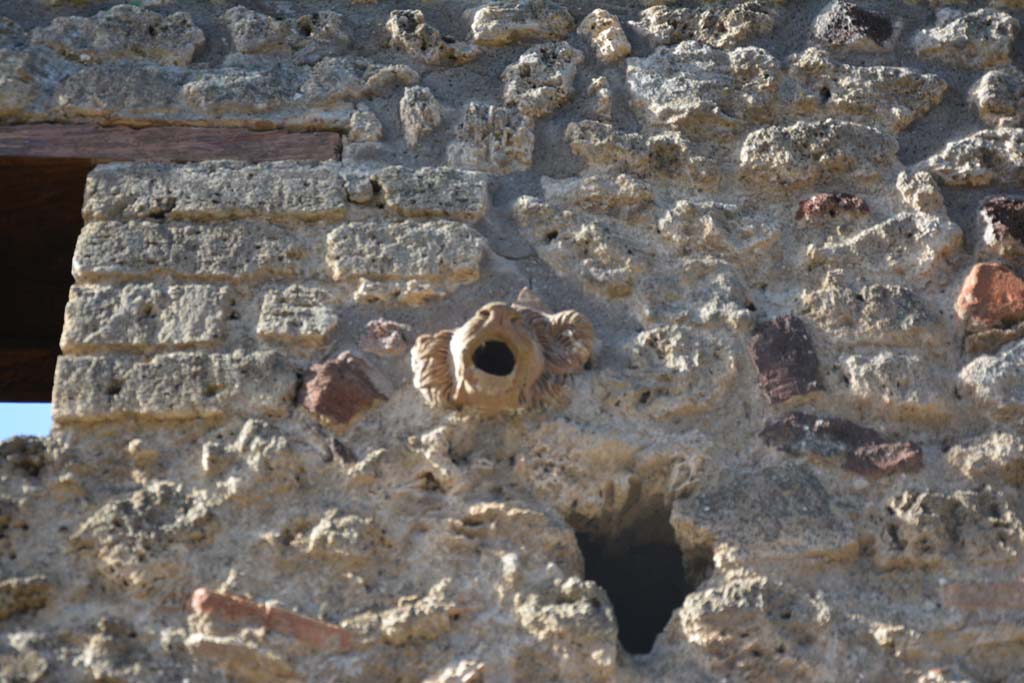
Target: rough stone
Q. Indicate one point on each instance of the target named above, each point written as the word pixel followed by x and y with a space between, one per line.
pixel 19 595
pixel 996 382
pixel 702 291
pixel 297 314
pixel 822 207
pixel 409 261
pixel 433 192
pixel 847 26
pixel 340 389
pixel 863 450
pixel 681 370
pixel 603 30
pixel 785 359
pixel 999 97
pixel 780 511
pixel 233 91
pixel 981 158
pixel 663 25
pixel 992 296
pixel 510 21
pixel 996 458
pixel 909 244
pixel 143 315
pixel 385 338
pixel 692 86
pixel 892 95
pixel 420 113
pixel 410 32
pixel 308 38
pixel 124 32
pixel 216 190
pixel 783 158
pixel 171 386
pixel 220 251
pixel 908 384
pixel 974 40
pixel 920 529
pixel 492 139
pixel 1002 224
pixel 541 80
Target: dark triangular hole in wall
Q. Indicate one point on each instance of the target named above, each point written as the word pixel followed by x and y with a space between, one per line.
pixel 645 575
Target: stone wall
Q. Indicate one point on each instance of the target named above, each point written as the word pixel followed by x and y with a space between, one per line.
pixel 795 228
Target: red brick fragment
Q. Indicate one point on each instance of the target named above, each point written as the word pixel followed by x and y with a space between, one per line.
pixel 785 358
pixel 984 595
pixel 235 609
pixel 824 204
pixel 340 389
pixel 992 296
pixel 859 449
pixel 881 459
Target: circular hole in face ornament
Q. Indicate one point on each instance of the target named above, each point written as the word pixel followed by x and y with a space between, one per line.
pixel 495 358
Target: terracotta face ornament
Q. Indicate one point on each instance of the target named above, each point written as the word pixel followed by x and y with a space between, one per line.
pixel 503 358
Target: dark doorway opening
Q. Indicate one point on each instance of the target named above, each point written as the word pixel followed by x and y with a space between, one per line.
pixel 40 218
pixel 645 575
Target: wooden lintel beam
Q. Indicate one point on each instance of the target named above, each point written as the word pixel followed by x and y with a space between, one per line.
pixel 162 143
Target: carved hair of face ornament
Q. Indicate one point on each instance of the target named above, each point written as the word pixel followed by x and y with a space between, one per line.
pixel 503 358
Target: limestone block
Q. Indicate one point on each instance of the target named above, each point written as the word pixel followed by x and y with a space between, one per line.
pixel 309 37
pixel 982 158
pixel 385 338
pixel 433 192
pixel 724 28
pixel 778 511
pixel 409 31
pixel 241 250
pixel 921 529
pixel 876 314
pixel 510 21
pixel 692 86
pixel 624 196
pixel 492 139
pixel 995 458
pixel 541 80
pixel 420 113
pixel 606 36
pixel 844 25
pixel 892 95
pixel 216 190
pixel 974 40
pixel 229 91
pixel 912 244
pixel 297 314
pixel 999 97
pixel 408 261
pixel 143 315
pixel 29 79
pixel 683 370
pixel 124 32
pixel 904 383
pixel 722 228
pixel 802 154
pixel 996 382
pixel 921 192
pixel 172 386
pixel 125 90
